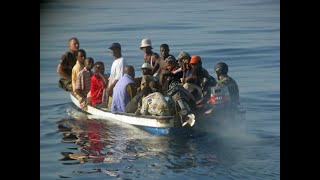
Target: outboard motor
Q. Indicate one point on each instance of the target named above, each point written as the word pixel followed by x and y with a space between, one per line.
pixel 219 96
pixel 221 101
pixel 180 96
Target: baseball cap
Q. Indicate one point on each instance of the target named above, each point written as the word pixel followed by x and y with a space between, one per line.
pixel 115 45
pixel 195 59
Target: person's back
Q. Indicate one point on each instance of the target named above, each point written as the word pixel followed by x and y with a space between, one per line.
pixel 136 101
pixel 232 87
pixel 155 104
pixel 124 90
pixel 225 80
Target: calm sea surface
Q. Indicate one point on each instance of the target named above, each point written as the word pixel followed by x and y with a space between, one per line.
pixel 244 34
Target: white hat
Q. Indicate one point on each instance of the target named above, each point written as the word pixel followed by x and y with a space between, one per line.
pixel 146 66
pixel 145 43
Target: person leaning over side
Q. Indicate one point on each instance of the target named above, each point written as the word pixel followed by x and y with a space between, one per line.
pixel 67 61
pixel 78 67
pixel 116 69
pixel 124 90
pixel 83 82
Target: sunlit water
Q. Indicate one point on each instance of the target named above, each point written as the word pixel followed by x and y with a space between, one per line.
pixel 244 34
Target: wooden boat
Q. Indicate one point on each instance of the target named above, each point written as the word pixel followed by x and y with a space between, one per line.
pixel 154 124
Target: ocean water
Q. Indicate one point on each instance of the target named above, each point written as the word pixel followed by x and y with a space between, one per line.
pixel 244 34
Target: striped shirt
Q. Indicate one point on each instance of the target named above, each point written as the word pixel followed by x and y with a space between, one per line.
pixel 84 80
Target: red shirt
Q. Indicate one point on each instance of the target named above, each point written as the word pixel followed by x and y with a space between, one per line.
pixel 96 88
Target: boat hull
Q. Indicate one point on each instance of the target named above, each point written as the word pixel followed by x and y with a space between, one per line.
pixel 153 124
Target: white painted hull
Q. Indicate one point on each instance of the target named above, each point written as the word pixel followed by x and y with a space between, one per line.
pixel 129 118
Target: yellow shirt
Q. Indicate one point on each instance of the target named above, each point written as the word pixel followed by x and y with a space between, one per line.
pixel 75 71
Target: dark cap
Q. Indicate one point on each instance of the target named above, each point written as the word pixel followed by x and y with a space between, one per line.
pixel 115 45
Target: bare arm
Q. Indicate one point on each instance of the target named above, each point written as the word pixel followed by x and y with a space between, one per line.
pixel 156 67
pixel 110 88
pixel 62 73
pixel 81 94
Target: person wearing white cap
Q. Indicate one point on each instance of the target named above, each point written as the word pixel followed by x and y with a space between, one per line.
pixel 146 75
pixel 146 46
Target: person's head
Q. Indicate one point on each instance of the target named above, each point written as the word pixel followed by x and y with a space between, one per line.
pixel 81 56
pixel 164 50
pixel 99 67
pixel 170 63
pixel 146 69
pixel 195 61
pixel 129 70
pixel 88 63
pixel 146 45
pixel 116 49
pixel 74 44
pixel 221 68
pixel 183 58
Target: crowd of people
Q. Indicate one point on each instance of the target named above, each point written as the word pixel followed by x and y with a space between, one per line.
pixel 121 91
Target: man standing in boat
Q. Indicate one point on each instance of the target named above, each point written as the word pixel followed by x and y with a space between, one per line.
pixel 67 61
pixel 116 70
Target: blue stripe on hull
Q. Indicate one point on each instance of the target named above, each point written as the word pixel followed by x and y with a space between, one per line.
pixel 166 131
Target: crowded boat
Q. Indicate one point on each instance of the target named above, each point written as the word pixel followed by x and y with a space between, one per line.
pixel 169 87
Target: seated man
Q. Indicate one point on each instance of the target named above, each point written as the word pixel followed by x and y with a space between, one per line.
pixel 195 81
pixel 99 82
pixel 124 90
pixel 136 101
pixel 67 61
pixel 146 75
pixel 224 80
pixel 183 61
pixel 172 71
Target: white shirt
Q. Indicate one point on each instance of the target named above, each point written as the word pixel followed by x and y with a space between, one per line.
pixel 117 70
